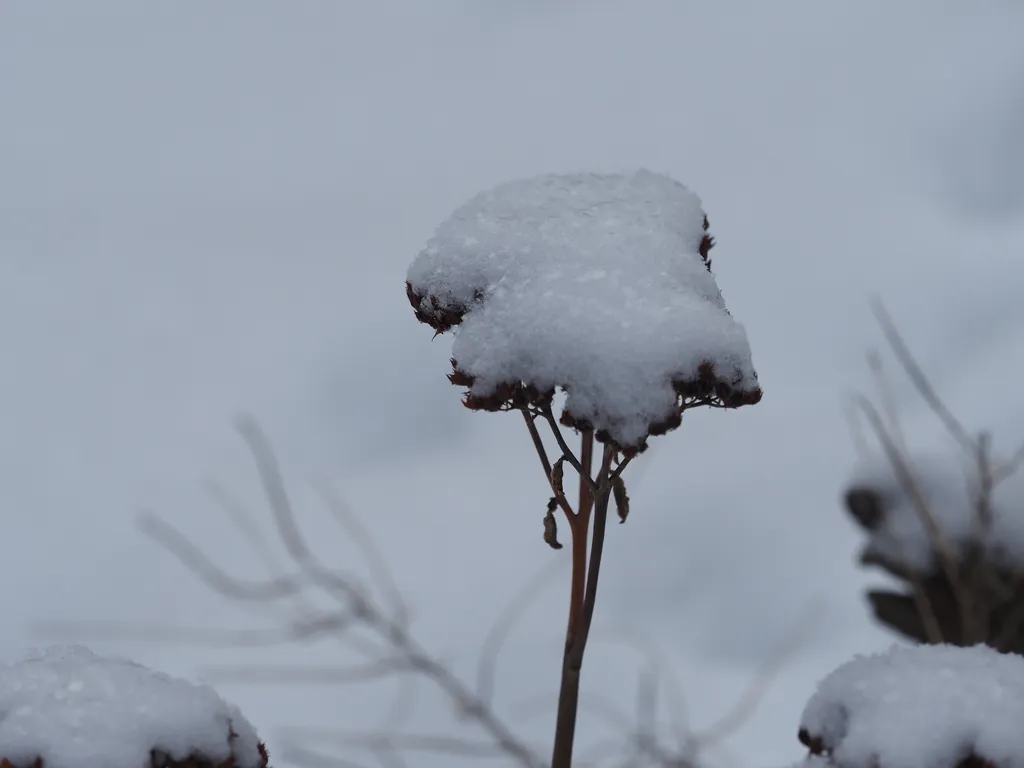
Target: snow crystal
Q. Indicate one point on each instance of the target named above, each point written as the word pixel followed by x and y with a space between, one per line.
pixel 920 707
pixel 73 709
pixel 949 485
pixel 593 283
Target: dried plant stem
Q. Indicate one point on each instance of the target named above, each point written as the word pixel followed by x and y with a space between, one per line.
pixel 586 571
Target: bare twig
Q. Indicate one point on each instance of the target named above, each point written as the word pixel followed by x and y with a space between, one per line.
pixel 371 552
pixel 313 675
pixel 758 687
pixel 489 653
pixel 567 452
pixel 214 577
pixel 538 444
pixel 395 654
pixel 1011 467
pixel 920 380
pixel 887 399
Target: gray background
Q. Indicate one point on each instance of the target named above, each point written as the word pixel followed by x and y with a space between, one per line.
pixel 209 207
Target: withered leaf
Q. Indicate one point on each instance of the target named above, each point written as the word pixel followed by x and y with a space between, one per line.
pixel 556 477
pixel 551 527
pixel 621 498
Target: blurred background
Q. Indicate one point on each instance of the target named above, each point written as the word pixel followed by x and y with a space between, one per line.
pixel 208 209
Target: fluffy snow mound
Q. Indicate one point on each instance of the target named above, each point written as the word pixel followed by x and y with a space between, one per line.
pixel 596 284
pixel 950 489
pixel 920 707
pixel 70 708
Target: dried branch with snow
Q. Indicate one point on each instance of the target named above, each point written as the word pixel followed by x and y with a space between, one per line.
pixel 947 524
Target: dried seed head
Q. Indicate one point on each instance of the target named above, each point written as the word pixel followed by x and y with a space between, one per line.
pixel 592 241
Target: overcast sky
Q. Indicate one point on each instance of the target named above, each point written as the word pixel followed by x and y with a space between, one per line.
pixel 208 208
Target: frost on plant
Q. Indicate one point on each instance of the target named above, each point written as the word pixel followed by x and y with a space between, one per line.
pixel 599 285
pixel 65 707
pixel 921 707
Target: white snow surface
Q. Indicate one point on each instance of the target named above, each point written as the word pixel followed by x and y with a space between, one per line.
pixel 921 707
pixel 75 709
pixel 949 483
pixel 592 283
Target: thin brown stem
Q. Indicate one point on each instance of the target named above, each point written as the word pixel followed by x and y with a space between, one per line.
pixel 578 529
pixel 570 457
pixel 586 460
pixel 583 614
pixel 538 444
pixel 596 551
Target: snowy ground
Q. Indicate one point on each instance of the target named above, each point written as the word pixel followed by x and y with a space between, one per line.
pixel 212 211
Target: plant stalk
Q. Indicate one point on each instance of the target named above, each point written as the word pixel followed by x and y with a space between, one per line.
pixel 582 601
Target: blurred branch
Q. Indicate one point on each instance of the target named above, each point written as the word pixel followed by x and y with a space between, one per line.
pixel 941 544
pixel 500 630
pixel 920 381
pixel 354 598
pixel 391 650
pixel 970 597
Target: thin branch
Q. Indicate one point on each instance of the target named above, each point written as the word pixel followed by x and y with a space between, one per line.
pixel 621 468
pixel 209 636
pixel 919 379
pixel 758 687
pixel 887 399
pixel 538 444
pixel 656 658
pixel 244 523
pixel 596 549
pixel 500 630
pixel 375 559
pixel 567 451
pixel 855 428
pixel 214 577
pixel 586 463
pixel 1011 467
pixel 947 557
pixel 295 675
pixel 274 488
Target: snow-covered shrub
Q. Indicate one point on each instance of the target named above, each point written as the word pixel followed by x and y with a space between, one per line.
pixel 65 707
pixel 948 526
pixel 954 539
pixel 937 706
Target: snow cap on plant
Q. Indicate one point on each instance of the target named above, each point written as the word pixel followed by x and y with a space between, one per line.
pixel 598 285
pixel 65 707
pixel 933 706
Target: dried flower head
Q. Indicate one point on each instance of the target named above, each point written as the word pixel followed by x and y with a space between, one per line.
pixel 597 285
